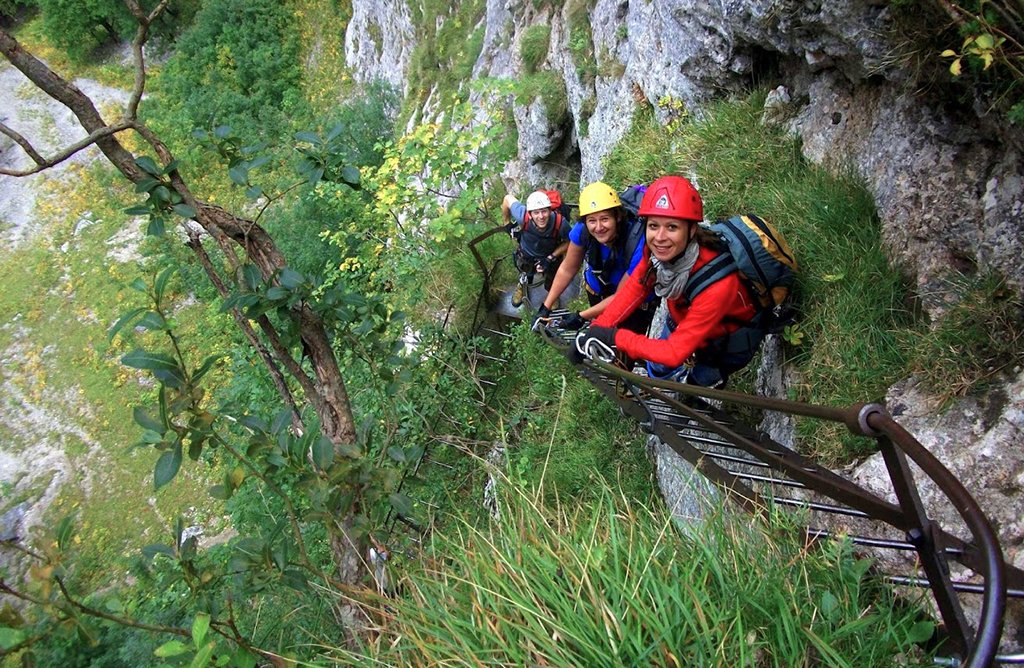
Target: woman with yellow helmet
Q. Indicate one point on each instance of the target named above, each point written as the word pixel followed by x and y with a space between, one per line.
pixel 610 239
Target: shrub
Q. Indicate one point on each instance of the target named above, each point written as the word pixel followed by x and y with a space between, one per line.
pixel 533 48
pixel 238 65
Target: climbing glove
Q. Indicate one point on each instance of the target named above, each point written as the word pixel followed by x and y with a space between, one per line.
pixel 595 343
pixel 572 321
pixel 543 315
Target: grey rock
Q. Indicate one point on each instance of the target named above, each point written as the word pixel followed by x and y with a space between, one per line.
pixel 11 521
pixel 379 41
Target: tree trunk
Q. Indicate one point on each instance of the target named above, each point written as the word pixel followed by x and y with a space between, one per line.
pixel 326 393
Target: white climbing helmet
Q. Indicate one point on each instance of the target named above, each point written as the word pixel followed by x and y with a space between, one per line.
pixel 538 200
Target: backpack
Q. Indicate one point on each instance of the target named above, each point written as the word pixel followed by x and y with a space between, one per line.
pixel 764 260
pixel 631 198
pixel 557 205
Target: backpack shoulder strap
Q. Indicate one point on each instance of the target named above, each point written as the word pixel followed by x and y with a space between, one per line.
pixel 733 226
pixel 557 226
pixel 712 272
pixel 635 238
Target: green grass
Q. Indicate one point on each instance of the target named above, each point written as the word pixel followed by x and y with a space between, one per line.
pixel 533 47
pixel 612 583
pixel 980 337
pixel 550 88
pixel 862 332
pixel 570 433
pixel 581 40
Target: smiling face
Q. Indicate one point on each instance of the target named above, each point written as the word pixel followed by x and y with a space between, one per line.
pixel 668 237
pixel 540 217
pixel 602 225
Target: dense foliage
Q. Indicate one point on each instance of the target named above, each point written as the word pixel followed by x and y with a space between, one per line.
pixel 81 26
pixel 238 65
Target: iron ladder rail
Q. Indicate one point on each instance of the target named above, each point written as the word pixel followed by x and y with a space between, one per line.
pixel 756 471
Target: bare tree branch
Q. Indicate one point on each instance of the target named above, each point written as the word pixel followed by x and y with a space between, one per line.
pixel 157 11
pixel 74 99
pixel 46 163
pixel 23 143
pixel 141 35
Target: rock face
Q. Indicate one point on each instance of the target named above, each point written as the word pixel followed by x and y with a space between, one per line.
pixel 379 41
pixel 994 425
pixel 979 441
pixel 52 127
pixel 948 184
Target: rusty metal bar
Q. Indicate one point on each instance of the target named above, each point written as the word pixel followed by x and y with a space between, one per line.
pixel 968 587
pixel 986 642
pixel 924 539
pixel 929 540
pixel 486 291
pixel 797 467
pixel 867 541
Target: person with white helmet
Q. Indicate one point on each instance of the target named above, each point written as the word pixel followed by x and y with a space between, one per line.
pixel 543 237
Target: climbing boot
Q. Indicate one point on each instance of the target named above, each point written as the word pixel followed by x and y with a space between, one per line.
pixel 520 292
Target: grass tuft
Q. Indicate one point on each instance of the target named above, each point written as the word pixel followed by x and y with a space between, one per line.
pixel 614 584
pixel 533 48
pixel 978 338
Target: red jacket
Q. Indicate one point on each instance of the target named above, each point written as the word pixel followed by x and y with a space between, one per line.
pixel 718 310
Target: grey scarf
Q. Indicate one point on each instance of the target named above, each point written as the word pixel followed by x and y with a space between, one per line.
pixel 672 276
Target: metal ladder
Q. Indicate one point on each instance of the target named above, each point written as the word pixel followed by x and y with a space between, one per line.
pixel 757 472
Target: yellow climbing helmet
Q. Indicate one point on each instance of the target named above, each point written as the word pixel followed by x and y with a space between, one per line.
pixel 598 197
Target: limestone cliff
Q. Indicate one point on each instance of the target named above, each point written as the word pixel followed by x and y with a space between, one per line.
pixel 948 184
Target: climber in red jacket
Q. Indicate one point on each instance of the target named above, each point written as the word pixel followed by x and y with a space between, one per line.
pixel 712 329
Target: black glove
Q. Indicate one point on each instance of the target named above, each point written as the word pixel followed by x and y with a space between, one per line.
pixel 544 263
pixel 511 229
pixel 572 321
pixel 596 342
pixel 542 313
pixel 575 352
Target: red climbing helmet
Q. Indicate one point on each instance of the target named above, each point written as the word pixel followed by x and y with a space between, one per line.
pixel 674 197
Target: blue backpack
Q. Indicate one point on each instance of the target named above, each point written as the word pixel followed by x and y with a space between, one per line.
pixel 764 260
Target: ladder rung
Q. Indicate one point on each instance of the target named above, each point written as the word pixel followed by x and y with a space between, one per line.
pixel 822 507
